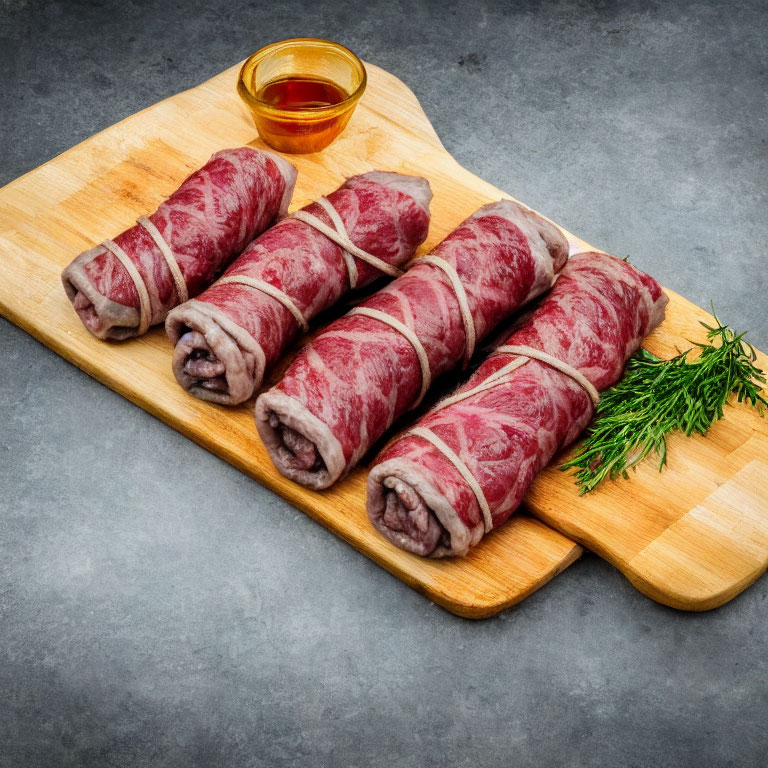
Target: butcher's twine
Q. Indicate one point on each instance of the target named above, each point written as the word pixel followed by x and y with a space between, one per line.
pixel 462 468
pixel 536 354
pixel 270 290
pixel 524 354
pixel 404 330
pixel 470 335
pixel 168 255
pixel 341 237
pixel 145 304
pixel 141 287
pixel 502 376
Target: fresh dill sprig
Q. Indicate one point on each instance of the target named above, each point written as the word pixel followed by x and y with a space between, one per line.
pixel 656 397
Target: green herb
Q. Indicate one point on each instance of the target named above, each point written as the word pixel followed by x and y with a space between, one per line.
pixel 658 396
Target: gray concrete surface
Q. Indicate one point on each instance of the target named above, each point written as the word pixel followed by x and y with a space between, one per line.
pixel 157 608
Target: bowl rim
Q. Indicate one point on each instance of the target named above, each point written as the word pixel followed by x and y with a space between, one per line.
pixel 254 59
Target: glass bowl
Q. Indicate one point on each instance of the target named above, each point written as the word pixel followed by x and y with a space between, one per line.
pixel 301 92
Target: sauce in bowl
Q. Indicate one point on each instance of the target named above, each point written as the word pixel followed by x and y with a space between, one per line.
pixel 302 92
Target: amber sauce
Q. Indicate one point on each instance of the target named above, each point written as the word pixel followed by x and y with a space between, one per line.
pixel 296 98
pixel 301 93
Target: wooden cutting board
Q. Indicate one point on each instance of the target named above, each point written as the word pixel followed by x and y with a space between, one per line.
pixel 693 537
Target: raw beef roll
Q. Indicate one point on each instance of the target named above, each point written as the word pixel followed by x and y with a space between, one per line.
pixel 466 465
pixel 227 337
pixel 346 388
pixel 123 286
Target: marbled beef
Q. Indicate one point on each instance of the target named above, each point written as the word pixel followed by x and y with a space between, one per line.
pixel 352 381
pixel 228 336
pixel 594 319
pixel 122 287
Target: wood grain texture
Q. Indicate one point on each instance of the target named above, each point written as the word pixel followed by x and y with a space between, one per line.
pixel 692 537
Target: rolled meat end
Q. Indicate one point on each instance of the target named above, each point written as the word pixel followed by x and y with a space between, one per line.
pixel 227 337
pixel 594 320
pixel 122 287
pixel 346 387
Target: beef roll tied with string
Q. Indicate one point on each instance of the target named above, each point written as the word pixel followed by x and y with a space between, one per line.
pixel 123 286
pixel 348 385
pixel 227 337
pixel 465 466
